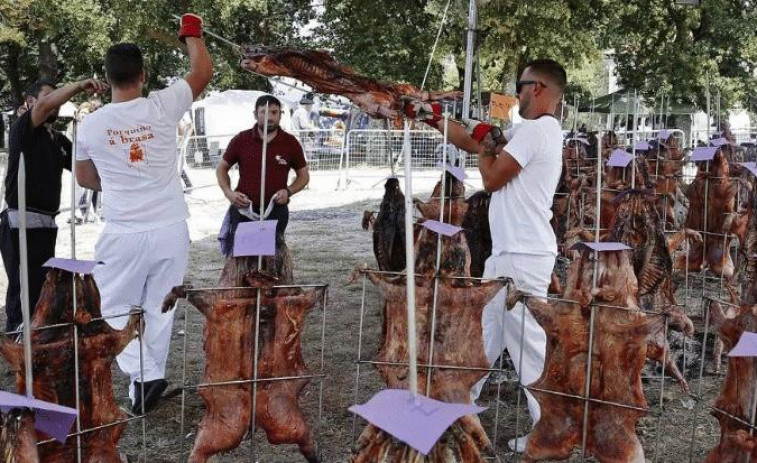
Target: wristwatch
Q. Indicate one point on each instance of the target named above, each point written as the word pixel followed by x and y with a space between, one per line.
pixel 289 192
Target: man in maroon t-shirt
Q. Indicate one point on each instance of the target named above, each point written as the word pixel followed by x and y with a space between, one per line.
pixel 283 153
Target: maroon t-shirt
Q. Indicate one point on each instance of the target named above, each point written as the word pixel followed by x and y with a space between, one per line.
pixel 284 152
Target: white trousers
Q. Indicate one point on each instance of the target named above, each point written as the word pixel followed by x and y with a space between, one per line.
pixel 139 270
pixel 502 329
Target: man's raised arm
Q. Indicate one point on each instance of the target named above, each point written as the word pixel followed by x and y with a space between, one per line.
pixel 200 64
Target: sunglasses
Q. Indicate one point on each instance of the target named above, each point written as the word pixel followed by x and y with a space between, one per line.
pixel 521 83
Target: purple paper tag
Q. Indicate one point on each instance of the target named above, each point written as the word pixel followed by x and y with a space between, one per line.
pixel 718 142
pixel 457 172
pixel 442 228
pixel 619 158
pixel 72 265
pixel 416 420
pixel 751 167
pixel 52 419
pixel 602 246
pixel 642 145
pixel 746 347
pixel 704 153
pixel 255 238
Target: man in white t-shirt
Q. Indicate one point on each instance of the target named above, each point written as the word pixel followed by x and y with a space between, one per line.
pixel 128 151
pixel 301 116
pixel 521 169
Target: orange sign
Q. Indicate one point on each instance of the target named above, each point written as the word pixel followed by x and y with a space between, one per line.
pixel 501 106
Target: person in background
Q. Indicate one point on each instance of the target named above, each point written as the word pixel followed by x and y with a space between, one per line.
pixel 46 153
pixel 284 153
pixel 301 118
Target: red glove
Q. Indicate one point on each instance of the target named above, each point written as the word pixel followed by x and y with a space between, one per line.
pixel 429 113
pixel 191 26
pixel 478 130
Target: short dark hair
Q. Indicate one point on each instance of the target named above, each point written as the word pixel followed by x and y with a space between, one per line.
pixel 34 88
pixel 550 69
pixel 123 63
pixel 270 99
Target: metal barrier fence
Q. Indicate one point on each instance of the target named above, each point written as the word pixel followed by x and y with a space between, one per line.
pixel 368 150
pixel 323 148
pixel 746 135
pixel 356 153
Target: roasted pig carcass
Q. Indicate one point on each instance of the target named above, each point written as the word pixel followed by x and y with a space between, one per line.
pixel 455 206
pixel 477 233
pixel 229 338
pixel 637 224
pixel 455 258
pixel 389 228
pixel 324 74
pixel 736 397
pixel 53 351
pixel 457 341
pixel 18 439
pixel 618 355
pixel 712 201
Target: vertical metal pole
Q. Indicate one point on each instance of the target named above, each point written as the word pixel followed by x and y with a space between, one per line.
pixel 141 331
pixel 77 395
pixel 575 116
pixel 24 277
pixel 521 386
pixel 256 349
pixel 709 117
pixel 662 390
pixel 410 259
pixel 442 203
pixel 359 358
pixel 612 113
pixel 342 181
pixel 319 451
pixel 599 188
pixel 698 397
pixel 184 378
pixel 633 137
pixel 469 53
pixel 587 388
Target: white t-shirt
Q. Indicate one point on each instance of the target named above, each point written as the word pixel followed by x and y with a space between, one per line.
pixel 133 145
pixel 519 212
pixel 301 120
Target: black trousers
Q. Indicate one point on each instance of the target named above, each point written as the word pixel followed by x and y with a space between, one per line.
pixel 40 247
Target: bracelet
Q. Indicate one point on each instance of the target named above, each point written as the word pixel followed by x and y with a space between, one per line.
pixel 289 192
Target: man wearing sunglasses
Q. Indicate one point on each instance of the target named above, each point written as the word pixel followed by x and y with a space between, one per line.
pixel 521 169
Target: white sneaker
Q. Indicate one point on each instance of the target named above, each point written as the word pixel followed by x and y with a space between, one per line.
pixel 518 445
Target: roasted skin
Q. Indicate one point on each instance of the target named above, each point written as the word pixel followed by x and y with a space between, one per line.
pixel 477 233
pixel 229 338
pixel 618 355
pixel 457 341
pixel 53 352
pixel 389 228
pixel 715 184
pixel 736 394
pixel 321 71
pixel 18 439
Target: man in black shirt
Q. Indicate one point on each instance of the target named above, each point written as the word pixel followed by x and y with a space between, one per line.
pixel 46 153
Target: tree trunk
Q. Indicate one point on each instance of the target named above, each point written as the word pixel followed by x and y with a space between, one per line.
pixel 48 61
pixel 12 72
